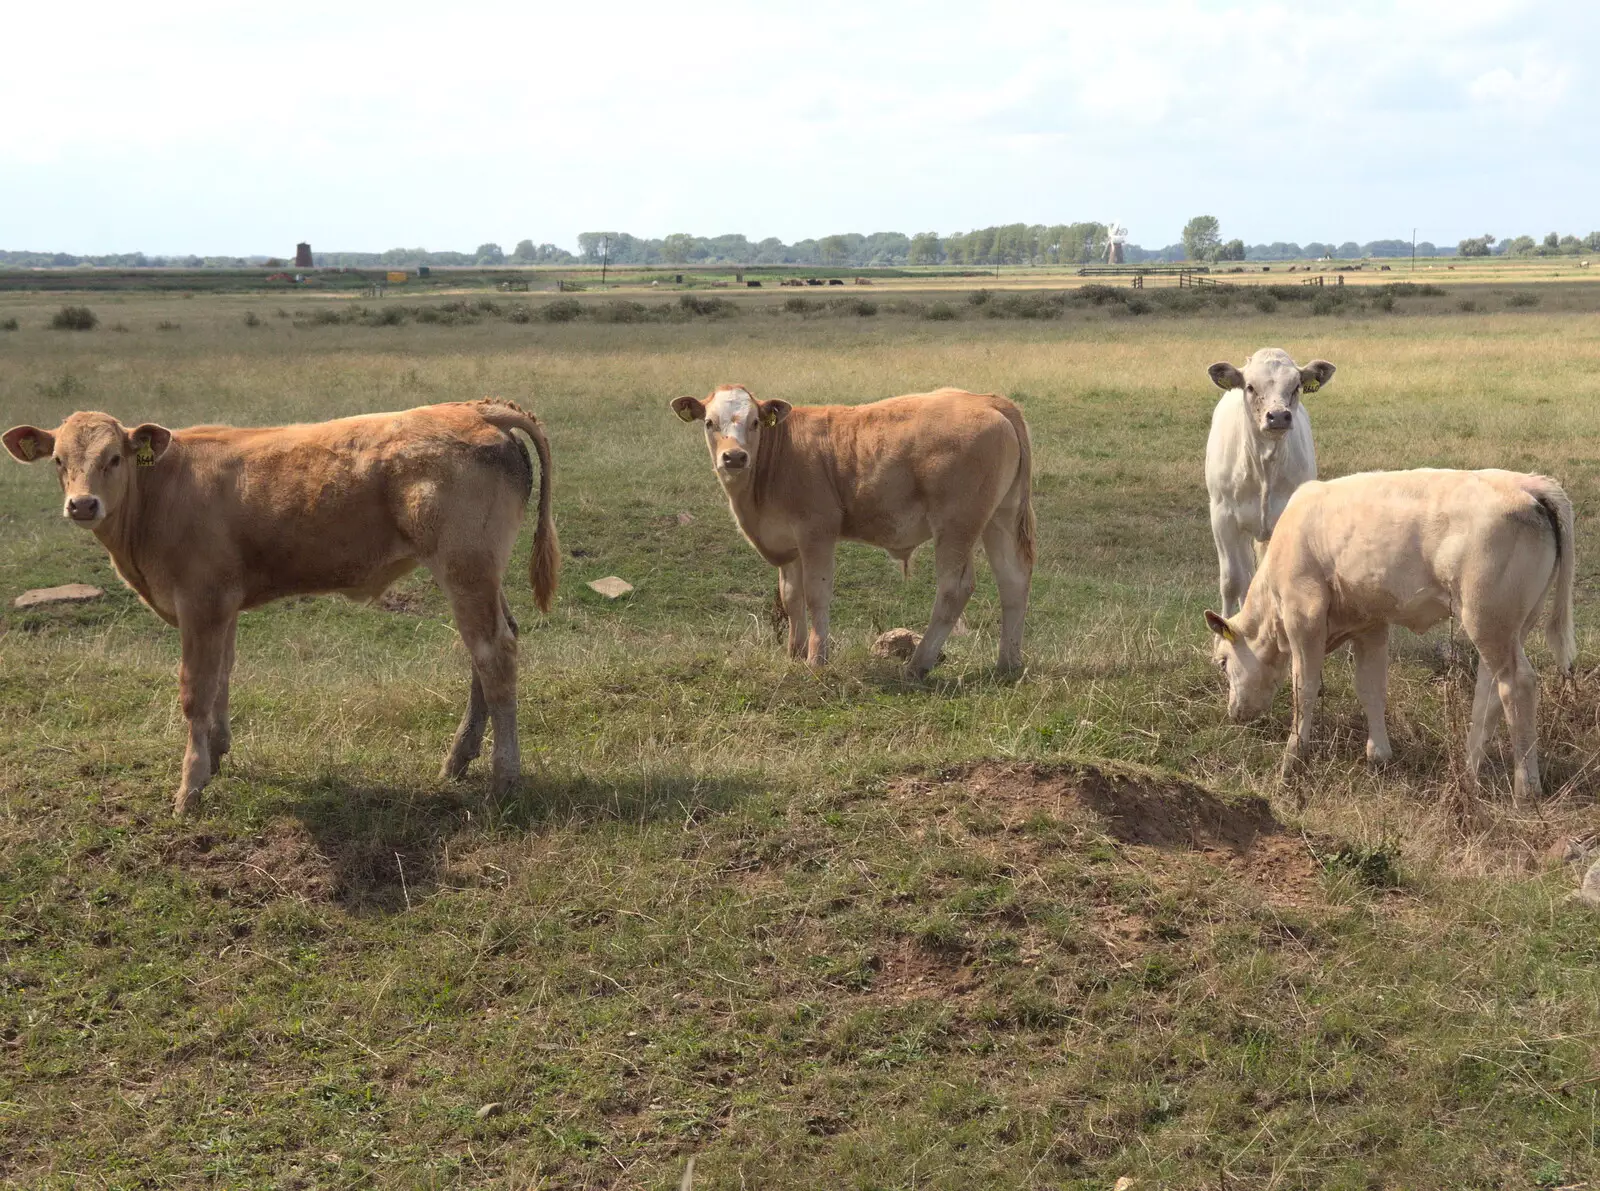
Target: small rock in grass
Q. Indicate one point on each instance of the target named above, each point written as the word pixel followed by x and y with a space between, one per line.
pixel 611 587
pixel 492 1109
pixel 1589 891
pixel 897 643
pixel 67 593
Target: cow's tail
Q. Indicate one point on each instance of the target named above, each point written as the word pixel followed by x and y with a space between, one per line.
pixel 1024 481
pixel 544 562
pixel 1558 628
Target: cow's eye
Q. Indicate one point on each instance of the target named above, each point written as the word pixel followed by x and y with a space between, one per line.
pixel 116 461
pixel 1249 390
pixel 710 425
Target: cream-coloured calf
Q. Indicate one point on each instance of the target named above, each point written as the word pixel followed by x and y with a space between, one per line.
pixel 1352 556
pixel 950 465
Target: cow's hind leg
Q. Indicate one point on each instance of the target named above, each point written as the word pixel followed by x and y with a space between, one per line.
pixel 952 559
pixel 1485 720
pixel 490 636
pixel 468 741
pixel 1518 688
pixel 1012 574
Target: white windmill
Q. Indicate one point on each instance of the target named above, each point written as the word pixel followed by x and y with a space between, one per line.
pixel 1116 237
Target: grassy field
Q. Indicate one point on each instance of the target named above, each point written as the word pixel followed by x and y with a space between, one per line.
pixel 835 931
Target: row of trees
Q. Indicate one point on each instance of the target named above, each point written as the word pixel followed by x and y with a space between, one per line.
pixel 1554 244
pixel 1004 244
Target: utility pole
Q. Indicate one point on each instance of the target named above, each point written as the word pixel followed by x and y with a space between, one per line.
pixel 605 251
pixel 1413 250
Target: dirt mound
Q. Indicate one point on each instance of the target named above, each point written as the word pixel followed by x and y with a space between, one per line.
pixel 282 861
pixel 1133 808
pixel 1143 810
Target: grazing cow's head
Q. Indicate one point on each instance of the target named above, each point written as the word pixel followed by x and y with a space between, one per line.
pixel 733 420
pixel 1272 385
pixel 95 457
pixel 1253 677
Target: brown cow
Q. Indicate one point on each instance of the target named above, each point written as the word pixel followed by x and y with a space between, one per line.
pixel 951 466
pixel 205 522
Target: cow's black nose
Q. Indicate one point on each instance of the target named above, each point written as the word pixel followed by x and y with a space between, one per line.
pixel 83 508
pixel 735 459
pixel 1279 420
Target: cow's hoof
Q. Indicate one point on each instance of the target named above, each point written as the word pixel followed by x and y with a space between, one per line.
pixel 503 786
pixel 185 803
pixel 1377 756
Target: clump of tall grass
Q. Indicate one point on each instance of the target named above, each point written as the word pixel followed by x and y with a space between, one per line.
pixel 74 318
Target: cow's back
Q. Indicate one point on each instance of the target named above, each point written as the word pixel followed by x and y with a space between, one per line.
pixel 895 459
pixel 325 506
pixel 1389 542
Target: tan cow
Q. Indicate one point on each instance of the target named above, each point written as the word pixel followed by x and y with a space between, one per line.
pixel 206 522
pixel 951 466
pixel 1352 556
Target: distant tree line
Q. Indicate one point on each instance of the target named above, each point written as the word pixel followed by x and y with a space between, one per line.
pixel 1553 244
pixel 1004 244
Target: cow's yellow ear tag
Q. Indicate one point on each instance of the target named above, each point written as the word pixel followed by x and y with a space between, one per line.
pixel 768 418
pixel 145 456
pixel 1310 385
pixel 1228 634
pixel 29 447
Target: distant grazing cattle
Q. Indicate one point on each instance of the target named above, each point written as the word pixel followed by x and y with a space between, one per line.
pixel 1355 555
pixel 951 466
pixel 1258 453
pixel 1383 268
pixel 206 522
pixel 836 281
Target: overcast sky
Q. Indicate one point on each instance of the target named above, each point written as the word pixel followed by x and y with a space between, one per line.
pixel 178 126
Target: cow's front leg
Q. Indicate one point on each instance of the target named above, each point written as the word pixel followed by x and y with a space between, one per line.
pixel 204 638
pixel 816 568
pixel 1306 655
pixel 1371 651
pixel 952 556
pixel 221 729
pixel 791 590
pixel 1236 560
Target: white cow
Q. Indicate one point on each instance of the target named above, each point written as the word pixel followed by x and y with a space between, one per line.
pixel 1355 555
pixel 1259 452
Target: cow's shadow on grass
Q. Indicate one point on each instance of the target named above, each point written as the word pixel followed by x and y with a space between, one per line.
pixel 384 848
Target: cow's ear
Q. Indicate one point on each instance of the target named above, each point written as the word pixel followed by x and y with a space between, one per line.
pixel 1220 626
pixel 1225 376
pixel 150 442
pixel 29 443
pixel 690 409
pixel 1316 374
pixel 774 411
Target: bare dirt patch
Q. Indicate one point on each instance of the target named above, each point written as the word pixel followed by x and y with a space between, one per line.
pixel 906 971
pixel 282 861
